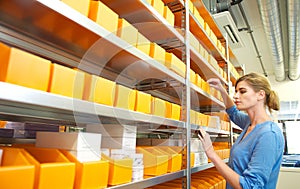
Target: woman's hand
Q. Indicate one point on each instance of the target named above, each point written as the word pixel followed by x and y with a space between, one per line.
pixel 205 140
pixel 215 83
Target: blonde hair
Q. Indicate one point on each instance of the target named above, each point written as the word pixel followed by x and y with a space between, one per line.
pixel 259 82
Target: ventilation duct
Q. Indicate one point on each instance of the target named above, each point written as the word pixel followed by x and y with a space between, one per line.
pixel 271 21
pixel 294 38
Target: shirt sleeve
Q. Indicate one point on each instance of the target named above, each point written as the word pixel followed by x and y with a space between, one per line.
pixel 239 118
pixel 265 155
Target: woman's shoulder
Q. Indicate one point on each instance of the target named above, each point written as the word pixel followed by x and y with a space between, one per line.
pixel 270 126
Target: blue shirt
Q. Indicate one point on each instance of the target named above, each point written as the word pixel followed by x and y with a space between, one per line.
pixel 257 157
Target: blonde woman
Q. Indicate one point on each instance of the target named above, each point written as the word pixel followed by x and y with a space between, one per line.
pixel 256 155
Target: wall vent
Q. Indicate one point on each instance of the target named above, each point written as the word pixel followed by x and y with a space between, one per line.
pixel 227 26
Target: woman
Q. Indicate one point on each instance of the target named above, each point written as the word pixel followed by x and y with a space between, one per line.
pixel 256 155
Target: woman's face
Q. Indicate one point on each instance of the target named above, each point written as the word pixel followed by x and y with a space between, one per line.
pixel 245 97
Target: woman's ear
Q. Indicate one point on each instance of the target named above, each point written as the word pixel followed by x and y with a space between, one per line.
pixel 261 95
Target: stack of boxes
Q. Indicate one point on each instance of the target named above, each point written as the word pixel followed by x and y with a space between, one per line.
pixel 121 142
pixel 84 146
pixel 197 149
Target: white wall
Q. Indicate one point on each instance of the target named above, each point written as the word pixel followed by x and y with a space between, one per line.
pixel 287 90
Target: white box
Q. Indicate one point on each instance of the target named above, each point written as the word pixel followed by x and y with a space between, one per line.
pixel 117 154
pixel 137 159
pixel 214 122
pixel 69 141
pixel 86 155
pixel 196 145
pixel 113 130
pixel 137 173
pixel 105 151
pixel 197 161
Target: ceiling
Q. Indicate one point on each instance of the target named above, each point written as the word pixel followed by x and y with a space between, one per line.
pixel 260 59
pixel 247 56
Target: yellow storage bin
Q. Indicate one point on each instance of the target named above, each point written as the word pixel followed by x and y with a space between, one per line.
pixel 157 53
pixel 81 6
pixel 104 16
pixel 143 102
pixel 169 16
pixel 15 170
pixel 99 90
pixel 203 119
pixel 127 32
pixel 158 107
pixel 192 117
pixel 53 169
pixel 199 18
pixel 176 109
pixel 22 68
pixel 199 81
pixel 66 81
pixel 193 77
pixel 143 44
pixel 175 159
pixel 175 64
pixel 153 164
pixel 91 175
pixel 179 150
pixel 158 5
pixel 120 170
pixel 125 97
pixel 168 109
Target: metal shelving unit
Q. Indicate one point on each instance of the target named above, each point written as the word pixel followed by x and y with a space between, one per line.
pixel 36 26
pixel 164 178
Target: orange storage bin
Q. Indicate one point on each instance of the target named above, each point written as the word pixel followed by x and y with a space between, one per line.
pixel 66 81
pixel 120 170
pixel 94 87
pixel 16 170
pixel 154 164
pixel 127 32
pixel 104 16
pixel 176 111
pixel 81 6
pixel 143 102
pixel 53 169
pixel 158 107
pixel 22 68
pixel 91 175
pixel 143 44
pixel 125 97
pixel 157 53
pixel 174 160
pixel 175 64
pixel 168 110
